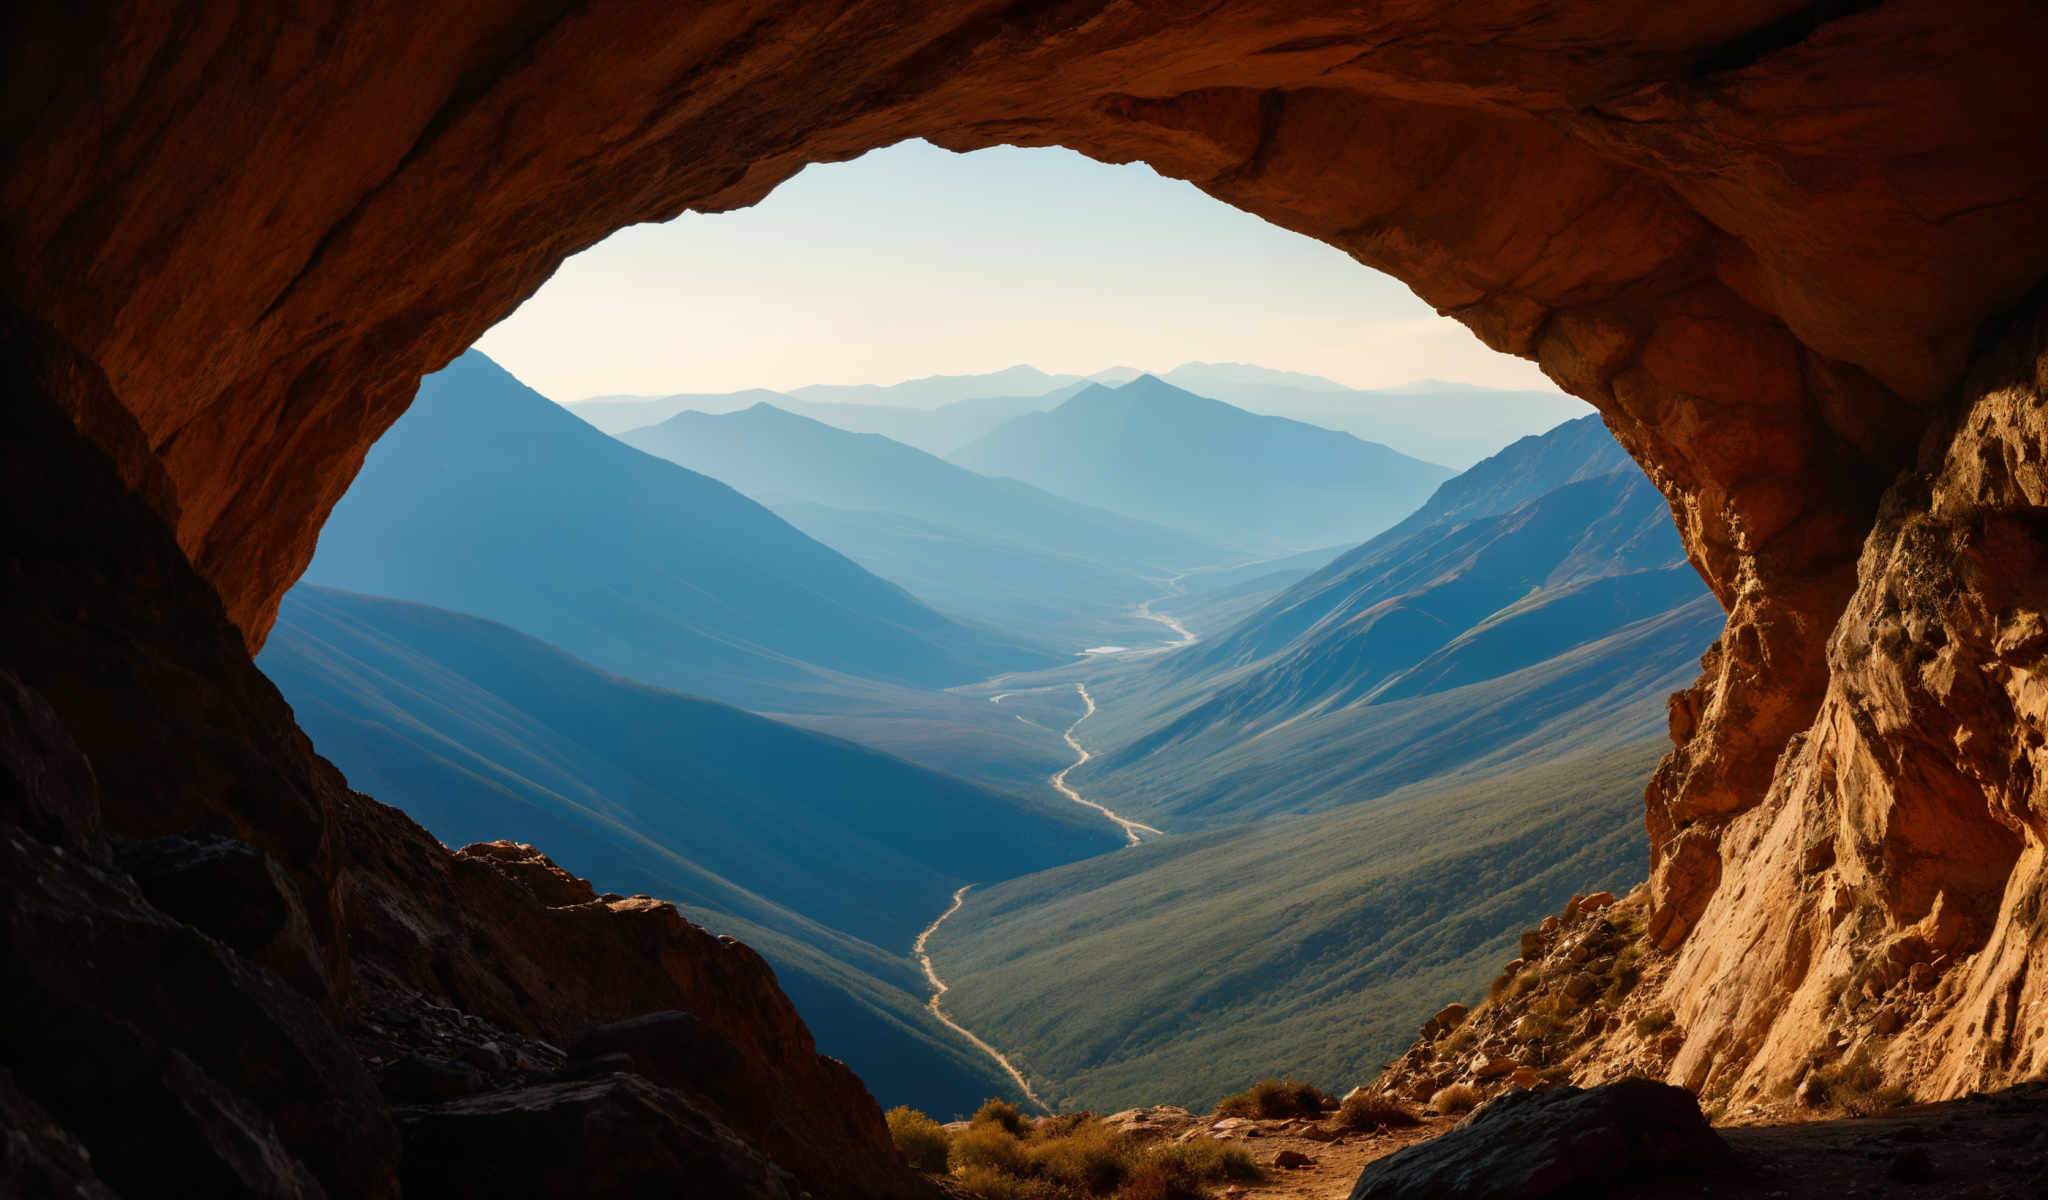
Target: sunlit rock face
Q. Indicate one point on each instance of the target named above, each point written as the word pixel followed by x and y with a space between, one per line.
pixel 1764 238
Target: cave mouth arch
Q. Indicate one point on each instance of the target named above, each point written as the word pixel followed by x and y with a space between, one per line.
pixel 1766 266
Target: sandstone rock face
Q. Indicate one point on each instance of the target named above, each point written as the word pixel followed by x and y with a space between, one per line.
pixel 1766 238
pixel 1889 890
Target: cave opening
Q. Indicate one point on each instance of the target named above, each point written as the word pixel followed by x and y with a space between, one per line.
pixel 235 241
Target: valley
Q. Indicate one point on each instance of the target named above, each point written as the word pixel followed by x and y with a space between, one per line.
pixel 947 767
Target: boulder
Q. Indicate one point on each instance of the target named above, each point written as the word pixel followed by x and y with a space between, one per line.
pixel 619 1136
pixel 1595 902
pixel 232 891
pixel 1291 1160
pixel 1449 1017
pixel 1152 1123
pixel 1562 1142
pixel 1493 1066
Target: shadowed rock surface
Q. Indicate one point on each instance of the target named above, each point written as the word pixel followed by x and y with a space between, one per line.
pixel 1566 1142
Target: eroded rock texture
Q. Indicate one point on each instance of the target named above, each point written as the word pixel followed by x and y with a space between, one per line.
pixel 1764 237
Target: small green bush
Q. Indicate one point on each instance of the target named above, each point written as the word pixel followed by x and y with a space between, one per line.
pixel 1274 1099
pixel 1060 1125
pixel 1856 1085
pixel 1001 1113
pixel 988 1145
pixel 920 1140
pixel 1093 1160
pixel 1628 972
pixel 1374 1110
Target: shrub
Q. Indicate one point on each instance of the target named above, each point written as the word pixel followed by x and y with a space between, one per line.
pixel 1092 1159
pixel 1855 1085
pixel 1461 1043
pixel 1628 971
pixel 1210 1161
pixel 1274 1098
pixel 1161 1179
pixel 988 1145
pixel 1374 1110
pixel 1654 1022
pixel 920 1140
pixel 1000 1113
pixel 1060 1124
pixel 1455 1099
pixel 988 1183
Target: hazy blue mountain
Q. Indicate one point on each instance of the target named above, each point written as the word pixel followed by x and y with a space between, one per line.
pixel 936 390
pixel 1532 607
pixel 940 430
pixel 486 498
pixel 614 414
pixel 995 550
pixel 1153 451
pixel 1442 422
pixel 825 856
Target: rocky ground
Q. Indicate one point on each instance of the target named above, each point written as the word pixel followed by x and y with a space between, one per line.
pixel 1991 1146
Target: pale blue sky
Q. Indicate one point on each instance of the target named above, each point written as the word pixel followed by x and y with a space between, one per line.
pixel 915 261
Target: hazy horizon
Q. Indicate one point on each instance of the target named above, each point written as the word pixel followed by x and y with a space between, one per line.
pixel 914 261
pixel 1419 385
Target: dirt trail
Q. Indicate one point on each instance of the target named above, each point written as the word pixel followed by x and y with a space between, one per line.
pixel 939 990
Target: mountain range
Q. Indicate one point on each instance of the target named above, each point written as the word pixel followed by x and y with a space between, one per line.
pixel 1455 424
pixel 1162 454
pixel 488 499
pixel 996 550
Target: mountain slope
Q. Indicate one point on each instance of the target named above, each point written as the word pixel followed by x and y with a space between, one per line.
pixel 1188 967
pixel 1152 451
pixel 990 549
pixel 1451 423
pixel 1533 606
pixel 486 498
pixel 837 853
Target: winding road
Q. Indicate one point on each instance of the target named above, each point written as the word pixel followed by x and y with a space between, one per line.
pixel 939 989
pixel 1081 755
pixel 1059 782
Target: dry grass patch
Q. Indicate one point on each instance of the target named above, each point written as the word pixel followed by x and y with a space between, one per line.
pixel 1375 1110
pixel 1456 1099
pixel 1274 1099
pixel 1072 1157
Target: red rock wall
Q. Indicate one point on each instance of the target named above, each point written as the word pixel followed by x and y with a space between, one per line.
pixel 1763 237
